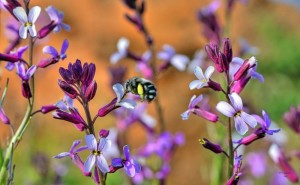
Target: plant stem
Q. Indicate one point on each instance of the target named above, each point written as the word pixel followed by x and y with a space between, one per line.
pixel 7 162
pixel 231 154
pixel 150 43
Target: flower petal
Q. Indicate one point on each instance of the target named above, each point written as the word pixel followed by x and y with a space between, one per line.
pixel 197 84
pixel 236 101
pixel 249 119
pixel 209 71
pixel 23 31
pixel 61 155
pixel 74 145
pixel 129 168
pixel 226 109
pixel 89 163
pixel 117 162
pixel 50 50
pixel 32 30
pixel 102 164
pixel 34 14
pixel 21 15
pixel 240 126
pixel 114 58
pixel 179 61
pixel 122 45
pixel 186 115
pixel 127 103
pixel 199 73
pixel 195 100
pixel 266 118
pixel 104 144
pixel 64 47
pixel 31 71
pixel 126 152
pixel 119 90
pixel 91 142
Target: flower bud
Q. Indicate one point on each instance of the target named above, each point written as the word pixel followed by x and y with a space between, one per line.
pixel 66 75
pixel 4 117
pixel 76 70
pixel 26 90
pixel 10 5
pixel 130 3
pixel 90 91
pixel 107 108
pixel 227 49
pixel 212 51
pixel 240 85
pixel 222 61
pixel 211 146
pixel 68 89
pixel 48 108
pixel 9 58
pixel 47 62
pixel 103 133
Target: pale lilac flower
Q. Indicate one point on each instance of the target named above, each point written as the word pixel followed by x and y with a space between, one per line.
pixel 122 47
pixel 194 108
pixel 57 16
pixel 203 79
pixel 113 150
pixel 169 55
pixel 117 102
pixel 131 166
pixel 73 150
pixel 27 22
pixel 120 92
pixel 279 178
pixel 96 157
pixel 143 65
pixel 25 74
pixel 73 154
pixel 235 111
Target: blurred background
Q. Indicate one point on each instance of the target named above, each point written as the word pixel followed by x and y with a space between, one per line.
pixel 96 25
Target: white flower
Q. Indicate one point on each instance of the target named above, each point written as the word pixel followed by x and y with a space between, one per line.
pixel 27 22
pixel 202 78
pixel 122 47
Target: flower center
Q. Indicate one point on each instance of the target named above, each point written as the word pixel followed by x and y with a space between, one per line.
pixel 94 152
pixel 28 24
pixel 203 80
pixel 237 113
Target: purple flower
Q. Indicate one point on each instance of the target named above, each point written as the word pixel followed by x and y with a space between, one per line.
pixel 194 108
pixel 73 154
pixel 57 17
pixel 292 118
pixel 13 57
pixel 138 114
pixel 265 123
pixel 257 163
pixel 96 156
pixel 131 166
pixel 55 55
pixel 169 55
pixel 122 47
pixel 241 118
pixel 25 75
pixel 281 160
pixel 143 65
pixel 203 79
pixel 27 22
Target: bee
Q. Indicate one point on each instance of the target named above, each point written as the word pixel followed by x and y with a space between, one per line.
pixel 142 87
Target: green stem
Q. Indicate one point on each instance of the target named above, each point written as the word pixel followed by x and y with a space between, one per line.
pixel 14 142
pixel 231 154
pixel 7 162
